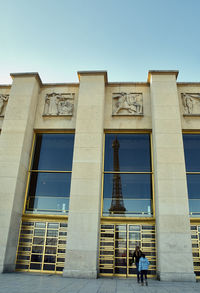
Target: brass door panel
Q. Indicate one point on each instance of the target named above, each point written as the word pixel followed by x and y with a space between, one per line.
pixel 117 244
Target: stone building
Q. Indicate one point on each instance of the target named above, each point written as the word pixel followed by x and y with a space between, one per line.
pixel 89 170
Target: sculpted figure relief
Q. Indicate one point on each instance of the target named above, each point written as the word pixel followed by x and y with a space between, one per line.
pixel 59 104
pixel 3 99
pixel 127 104
pixel 191 103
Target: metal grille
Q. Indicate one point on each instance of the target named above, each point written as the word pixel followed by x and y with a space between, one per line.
pixel 41 246
pixel 195 235
pixel 117 244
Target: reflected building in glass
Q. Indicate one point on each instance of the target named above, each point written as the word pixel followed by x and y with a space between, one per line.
pixel 96 168
pixel 117 203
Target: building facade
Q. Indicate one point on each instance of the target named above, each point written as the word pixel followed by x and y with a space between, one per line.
pixel 90 170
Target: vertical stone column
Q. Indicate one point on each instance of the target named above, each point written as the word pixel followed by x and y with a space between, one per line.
pixel 85 196
pixel 174 250
pixel 15 146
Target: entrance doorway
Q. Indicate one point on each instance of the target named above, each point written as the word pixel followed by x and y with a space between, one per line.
pixel 117 244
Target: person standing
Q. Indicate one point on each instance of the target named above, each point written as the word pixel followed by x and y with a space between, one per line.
pixel 136 257
pixel 143 268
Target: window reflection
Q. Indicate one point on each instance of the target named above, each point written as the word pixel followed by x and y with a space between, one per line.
pixel 193 181
pixel 192 152
pixel 50 176
pixel 134 152
pixel 127 194
pixel 192 162
pixel 136 186
pixel 53 151
pixel 50 184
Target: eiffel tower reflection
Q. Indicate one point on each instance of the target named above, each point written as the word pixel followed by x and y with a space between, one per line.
pixel 117 203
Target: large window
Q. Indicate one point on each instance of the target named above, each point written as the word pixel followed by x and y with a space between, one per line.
pixel 127 175
pixel 50 174
pixel 192 162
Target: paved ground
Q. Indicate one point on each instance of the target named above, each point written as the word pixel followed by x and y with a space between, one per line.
pixel 29 283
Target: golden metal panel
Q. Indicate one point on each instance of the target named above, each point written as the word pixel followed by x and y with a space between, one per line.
pixel 110 254
pixel 42 249
pixel 195 232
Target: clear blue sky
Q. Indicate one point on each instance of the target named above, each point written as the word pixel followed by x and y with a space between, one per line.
pixel 57 38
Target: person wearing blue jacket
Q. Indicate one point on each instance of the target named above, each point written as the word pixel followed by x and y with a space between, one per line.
pixel 143 268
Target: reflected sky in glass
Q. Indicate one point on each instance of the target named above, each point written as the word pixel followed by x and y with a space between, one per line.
pixel 133 206
pixel 133 185
pixel 192 152
pixel 50 184
pixel 134 152
pixel 193 183
pixel 53 152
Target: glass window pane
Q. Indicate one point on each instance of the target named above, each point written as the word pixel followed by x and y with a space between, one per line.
pixel 51 241
pixel 133 151
pixel 136 186
pixel 52 233
pixel 39 232
pixel 39 241
pixel 131 207
pixel 37 249
pixel 50 184
pixel 50 250
pixel 34 266
pixel 48 205
pixel 194 206
pixel 53 152
pixel 47 267
pixel 36 258
pixel 192 152
pixel 193 183
pixel 40 224
pixel 134 236
pixel 49 259
pixel 53 225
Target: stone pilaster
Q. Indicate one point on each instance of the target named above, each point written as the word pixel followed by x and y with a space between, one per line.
pixel 174 250
pixel 15 146
pixel 85 197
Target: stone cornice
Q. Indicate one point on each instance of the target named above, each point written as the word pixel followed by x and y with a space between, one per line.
pixel 5 86
pixel 104 73
pixel 27 74
pixel 161 72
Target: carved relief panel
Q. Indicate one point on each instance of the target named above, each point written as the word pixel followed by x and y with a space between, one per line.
pixel 3 100
pixel 191 103
pixel 130 104
pixel 59 104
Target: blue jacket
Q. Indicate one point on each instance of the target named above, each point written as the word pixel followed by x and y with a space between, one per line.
pixel 143 264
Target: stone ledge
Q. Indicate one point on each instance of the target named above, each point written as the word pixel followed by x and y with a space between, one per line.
pixel 27 74
pixel 177 277
pixel 90 73
pixel 80 274
pixel 162 72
